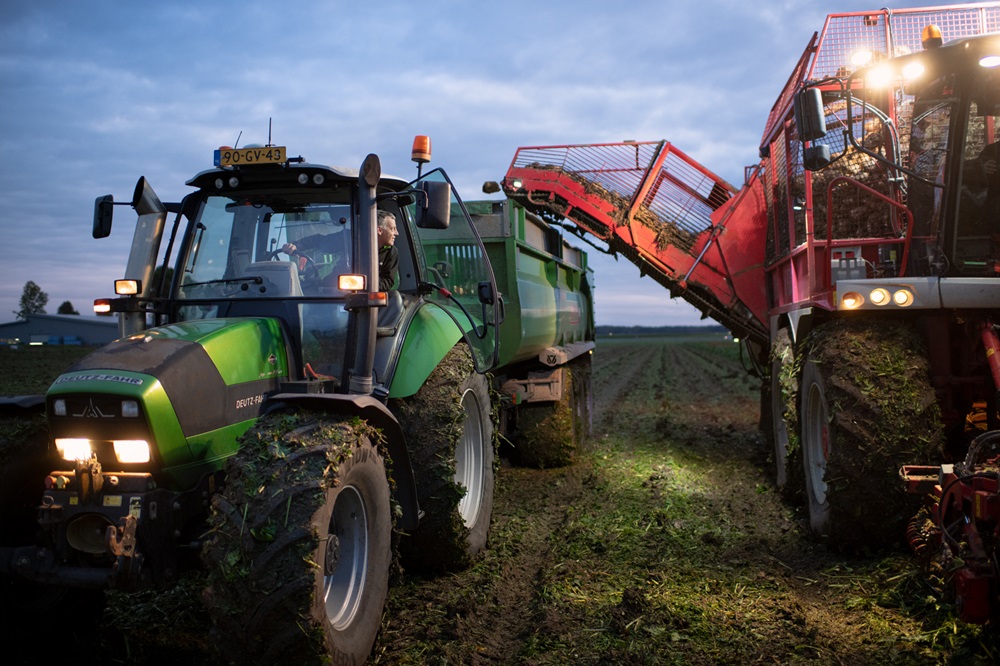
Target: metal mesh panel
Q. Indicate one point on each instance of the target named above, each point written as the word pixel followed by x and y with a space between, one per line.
pixel 863 216
pixel 779 197
pixel 894 33
pixel 678 204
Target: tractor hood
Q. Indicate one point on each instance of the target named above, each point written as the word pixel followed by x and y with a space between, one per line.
pixel 184 383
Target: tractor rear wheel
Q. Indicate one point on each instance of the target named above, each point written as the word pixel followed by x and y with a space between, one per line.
pixel 866 407
pixel 302 545
pixel 449 431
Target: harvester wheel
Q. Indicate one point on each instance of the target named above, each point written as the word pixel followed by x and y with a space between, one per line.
pixel 302 544
pixel 450 441
pixel 783 394
pixel 866 407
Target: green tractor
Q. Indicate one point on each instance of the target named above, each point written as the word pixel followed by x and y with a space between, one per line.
pixel 268 412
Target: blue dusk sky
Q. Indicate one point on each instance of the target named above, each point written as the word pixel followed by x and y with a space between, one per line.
pixel 95 94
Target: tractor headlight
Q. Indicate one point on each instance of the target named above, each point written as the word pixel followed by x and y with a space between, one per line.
pixel 131 450
pixel 74 449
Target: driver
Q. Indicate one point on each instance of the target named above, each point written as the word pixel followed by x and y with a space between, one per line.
pixel 388 256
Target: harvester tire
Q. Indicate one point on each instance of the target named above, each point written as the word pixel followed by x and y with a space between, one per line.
pixel 859 425
pixel 301 544
pixel 449 431
pixel 784 432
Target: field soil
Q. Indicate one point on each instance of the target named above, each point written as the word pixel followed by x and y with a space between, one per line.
pixel 666 542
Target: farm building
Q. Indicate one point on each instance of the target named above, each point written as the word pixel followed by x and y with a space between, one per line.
pixel 59 330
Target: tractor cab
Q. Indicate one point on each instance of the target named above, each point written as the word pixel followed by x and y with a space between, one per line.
pixel 265 235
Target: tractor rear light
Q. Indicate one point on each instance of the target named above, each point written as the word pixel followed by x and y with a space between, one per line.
pixel 852 300
pixel 351 282
pixel 128 287
pixel 59 407
pixel 74 449
pixel 130 409
pixel 131 450
pixel 102 306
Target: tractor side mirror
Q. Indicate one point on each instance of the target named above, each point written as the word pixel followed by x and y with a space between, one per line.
pixel 103 213
pixel 434 212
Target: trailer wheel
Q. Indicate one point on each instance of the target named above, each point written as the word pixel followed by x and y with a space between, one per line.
pixel 450 442
pixel 784 434
pixel 549 433
pixel 866 408
pixel 583 398
pixel 301 547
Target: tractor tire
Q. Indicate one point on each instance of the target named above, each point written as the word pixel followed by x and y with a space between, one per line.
pixel 301 544
pixel 866 407
pixel 450 441
pixel 548 434
pixel 783 396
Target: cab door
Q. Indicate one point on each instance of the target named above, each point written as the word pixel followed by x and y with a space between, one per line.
pixel 454 261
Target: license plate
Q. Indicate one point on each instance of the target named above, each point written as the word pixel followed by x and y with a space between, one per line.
pixel 244 156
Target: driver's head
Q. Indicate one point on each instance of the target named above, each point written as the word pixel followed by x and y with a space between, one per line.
pixel 386 228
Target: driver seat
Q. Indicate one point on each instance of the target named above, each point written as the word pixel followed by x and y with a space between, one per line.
pixel 281 278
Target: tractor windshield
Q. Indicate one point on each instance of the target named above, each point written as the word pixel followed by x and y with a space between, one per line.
pixel 240 249
pixel 277 259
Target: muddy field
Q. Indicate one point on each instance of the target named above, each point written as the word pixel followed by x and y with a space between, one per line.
pixel 666 543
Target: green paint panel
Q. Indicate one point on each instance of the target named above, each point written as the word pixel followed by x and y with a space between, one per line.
pixel 241 349
pixel 430 336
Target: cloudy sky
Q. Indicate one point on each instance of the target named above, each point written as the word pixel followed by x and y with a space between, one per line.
pixel 95 94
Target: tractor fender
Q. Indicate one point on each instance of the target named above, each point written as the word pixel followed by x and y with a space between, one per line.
pixel 430 335
pixel 376 414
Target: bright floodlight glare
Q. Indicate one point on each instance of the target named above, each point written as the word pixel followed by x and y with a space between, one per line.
pixel 73 449
pixel 990 61
pixel 861 57
pixel 913 71
pixel 131 450
pixel 879 77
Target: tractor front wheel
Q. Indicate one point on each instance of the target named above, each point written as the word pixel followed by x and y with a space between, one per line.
pixel 299 561
pixel 449 431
